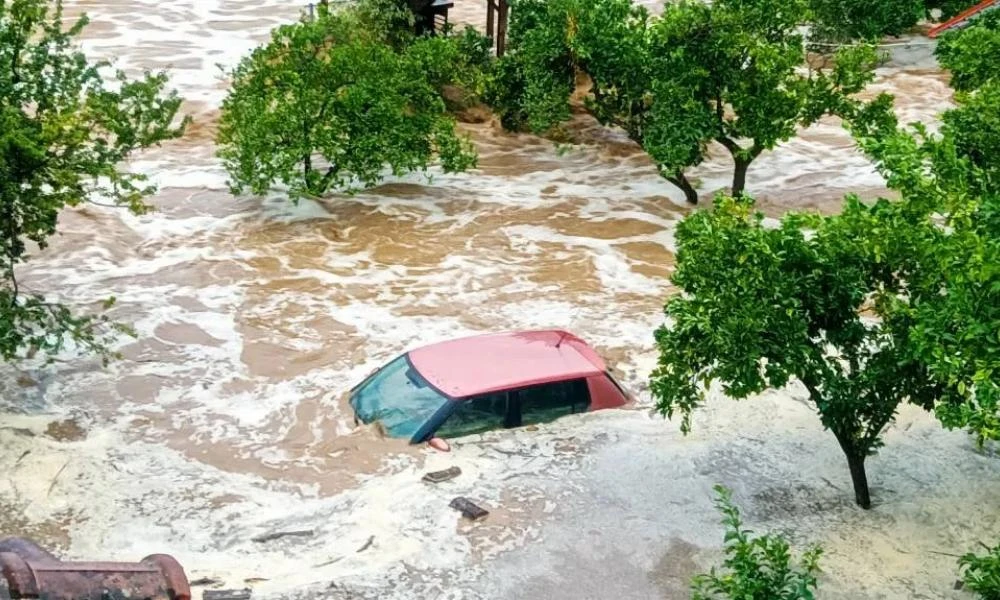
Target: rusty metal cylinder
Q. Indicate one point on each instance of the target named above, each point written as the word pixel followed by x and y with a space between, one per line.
pixel 29 572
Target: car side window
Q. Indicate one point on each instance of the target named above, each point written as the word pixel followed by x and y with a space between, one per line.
pixel 544 403
pixel 475 415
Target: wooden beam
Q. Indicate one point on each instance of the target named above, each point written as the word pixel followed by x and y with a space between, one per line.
pixel 502 27
pixel 490 8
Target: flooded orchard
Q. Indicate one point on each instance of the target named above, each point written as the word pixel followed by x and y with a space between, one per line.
pixel 227 418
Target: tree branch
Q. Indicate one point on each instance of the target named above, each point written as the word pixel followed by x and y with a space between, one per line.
pixel 11 235
pixel 731 145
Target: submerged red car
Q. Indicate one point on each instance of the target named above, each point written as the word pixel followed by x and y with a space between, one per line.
pixel 474 384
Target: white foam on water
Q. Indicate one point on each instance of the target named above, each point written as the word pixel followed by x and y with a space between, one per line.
pixel 196 270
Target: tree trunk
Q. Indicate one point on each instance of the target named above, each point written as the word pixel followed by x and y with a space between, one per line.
pixel 690 194
pixel 490 10
pixel 856 462
pixel 307 173
pixel 739 176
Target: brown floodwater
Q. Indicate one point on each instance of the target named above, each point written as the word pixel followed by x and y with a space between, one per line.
pixel 255 315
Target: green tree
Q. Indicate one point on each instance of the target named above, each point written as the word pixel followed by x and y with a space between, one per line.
pixel 65 133
pixel 756 567
pixel 974 128
pixel 970 53
pixel 327 104
pixel 946 249
pixel 846 20
pixel 533 81
pixel 731 72
pixel 759 306
pixel 981 574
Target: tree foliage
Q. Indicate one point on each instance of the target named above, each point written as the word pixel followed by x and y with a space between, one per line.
pixel 846 20
pixel 946 246
pixel 756 567
pixel 970 54
pixel 730 72
pixel 763 305
pixel 981 573
pixel 65 133
pixel 328 104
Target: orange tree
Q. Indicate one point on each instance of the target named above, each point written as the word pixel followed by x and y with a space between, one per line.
pixel 65 134
pixel 886 303
pixel 329 103
pixel 761 306
pixel 731 72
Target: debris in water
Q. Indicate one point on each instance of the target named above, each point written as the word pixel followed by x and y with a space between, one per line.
pixel 445 475
pixel 68 430
pixel 270 537
pixel 367 545
pixel 243 594
pixel 56 478
pixel 205 581
pixel 468 508
pixel 329 562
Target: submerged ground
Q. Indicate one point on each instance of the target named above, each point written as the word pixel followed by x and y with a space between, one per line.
pixel 226 418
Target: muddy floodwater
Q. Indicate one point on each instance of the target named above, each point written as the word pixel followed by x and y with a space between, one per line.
pixel 226 419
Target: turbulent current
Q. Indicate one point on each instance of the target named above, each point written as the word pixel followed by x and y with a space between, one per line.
pixel 226 418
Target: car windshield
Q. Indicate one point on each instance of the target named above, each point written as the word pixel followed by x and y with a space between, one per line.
pixel 399 397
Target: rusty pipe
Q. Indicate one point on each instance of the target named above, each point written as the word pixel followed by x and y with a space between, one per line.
pixel 29 572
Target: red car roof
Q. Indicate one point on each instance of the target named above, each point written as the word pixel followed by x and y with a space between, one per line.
pixel 489 363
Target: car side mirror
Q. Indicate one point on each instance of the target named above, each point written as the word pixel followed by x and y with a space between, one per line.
pixel 439 444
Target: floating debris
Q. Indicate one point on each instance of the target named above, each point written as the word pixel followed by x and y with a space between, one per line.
pixel 468 508
pixel 243 594
pixel 445 475
pixel 270 537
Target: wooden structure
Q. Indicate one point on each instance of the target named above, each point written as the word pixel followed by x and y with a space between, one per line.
pixel 432 17
pixel 497 13
pixel 962 19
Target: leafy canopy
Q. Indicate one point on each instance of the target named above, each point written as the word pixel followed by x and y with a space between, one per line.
pixel 761 305
pixel 846 20
pixel 327 104
pixel 730 72
pixel 756 567
pixel 947 249
pixel 981 573
pixel 65 133
pixel 970 54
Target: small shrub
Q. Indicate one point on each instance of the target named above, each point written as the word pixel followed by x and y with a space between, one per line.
pixel 756 567
pixel 981 574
